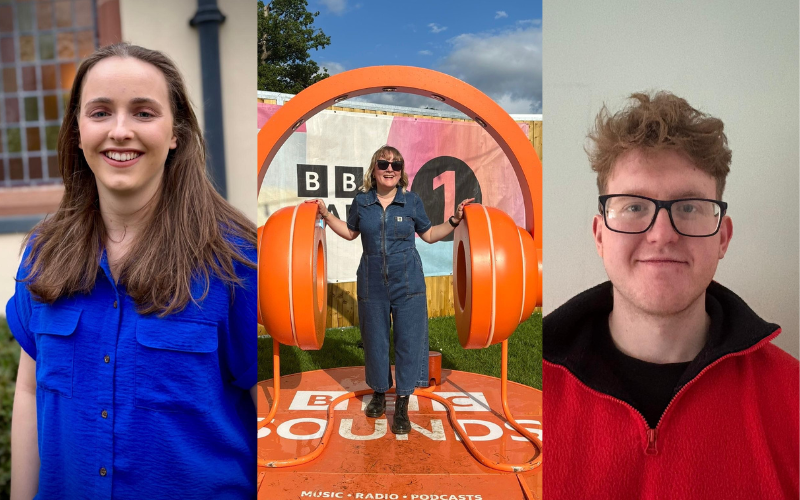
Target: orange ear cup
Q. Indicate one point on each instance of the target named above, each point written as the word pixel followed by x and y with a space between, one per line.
pixel 292 277
pixel 495 275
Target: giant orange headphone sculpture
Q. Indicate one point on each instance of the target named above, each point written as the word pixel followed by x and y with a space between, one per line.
pixel 497 275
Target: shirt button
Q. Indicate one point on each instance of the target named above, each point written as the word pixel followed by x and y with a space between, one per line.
pixel 115 304
pixel 104 414
pixel 106 358
pixel 103 471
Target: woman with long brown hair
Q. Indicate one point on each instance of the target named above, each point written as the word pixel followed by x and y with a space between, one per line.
pixel 134 304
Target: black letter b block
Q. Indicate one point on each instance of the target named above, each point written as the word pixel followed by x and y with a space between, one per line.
pixel 348 180
pixel 312 181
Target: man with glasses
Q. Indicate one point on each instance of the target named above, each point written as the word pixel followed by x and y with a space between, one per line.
pixel 662 383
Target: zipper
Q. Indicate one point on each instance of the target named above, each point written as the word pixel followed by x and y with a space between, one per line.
pixel 652 433
pixel 383 245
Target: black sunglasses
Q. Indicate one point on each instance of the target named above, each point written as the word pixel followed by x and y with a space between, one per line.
pixel 397 165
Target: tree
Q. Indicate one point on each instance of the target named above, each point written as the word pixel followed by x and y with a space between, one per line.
pixel 286 34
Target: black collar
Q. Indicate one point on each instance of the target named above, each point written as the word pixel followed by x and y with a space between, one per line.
pixel 572 339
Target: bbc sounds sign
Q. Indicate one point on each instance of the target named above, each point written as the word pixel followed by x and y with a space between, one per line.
pixel 313 405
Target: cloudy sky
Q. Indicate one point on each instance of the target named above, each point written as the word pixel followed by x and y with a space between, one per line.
pixel 495 46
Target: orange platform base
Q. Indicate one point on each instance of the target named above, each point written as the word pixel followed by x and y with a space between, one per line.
pixel 364 460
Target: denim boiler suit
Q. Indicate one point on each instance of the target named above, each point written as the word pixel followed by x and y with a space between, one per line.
pixel 390 283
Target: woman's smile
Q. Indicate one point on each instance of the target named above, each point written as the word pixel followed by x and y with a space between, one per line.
pixel 125 126
pixel 122 158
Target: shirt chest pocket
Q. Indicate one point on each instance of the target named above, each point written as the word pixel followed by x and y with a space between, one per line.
pixel 54 327
pixel 176 361
pixel 403 226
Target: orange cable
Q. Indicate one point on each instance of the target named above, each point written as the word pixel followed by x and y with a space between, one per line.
pixel 525 490
pixel 325 437
pixel 536 442
pixel 427 393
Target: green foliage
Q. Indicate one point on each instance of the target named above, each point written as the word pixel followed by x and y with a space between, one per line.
pixel 285 37
pixel 9 360
pixel 340 349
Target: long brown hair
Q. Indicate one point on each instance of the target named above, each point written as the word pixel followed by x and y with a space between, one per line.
pixel 191 232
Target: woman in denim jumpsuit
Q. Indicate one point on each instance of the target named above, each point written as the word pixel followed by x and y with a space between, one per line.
pixel 391 283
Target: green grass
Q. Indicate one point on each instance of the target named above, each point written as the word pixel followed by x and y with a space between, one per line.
pixel 340 349
pixel 9 360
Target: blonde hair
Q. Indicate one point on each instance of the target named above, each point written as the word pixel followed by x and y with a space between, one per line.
pixel 369 177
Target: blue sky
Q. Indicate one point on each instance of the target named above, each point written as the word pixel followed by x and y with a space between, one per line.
pixel 495 46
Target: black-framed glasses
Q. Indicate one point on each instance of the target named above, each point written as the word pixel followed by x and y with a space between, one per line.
pixel 632 214
pixel 397 165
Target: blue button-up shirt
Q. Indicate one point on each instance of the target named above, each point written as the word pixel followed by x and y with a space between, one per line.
pixel 133 406
pixel 391 230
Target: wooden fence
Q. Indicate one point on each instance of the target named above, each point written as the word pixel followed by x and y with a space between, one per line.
pixel 342 300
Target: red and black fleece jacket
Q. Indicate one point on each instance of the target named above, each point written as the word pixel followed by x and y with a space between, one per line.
pixel 730 431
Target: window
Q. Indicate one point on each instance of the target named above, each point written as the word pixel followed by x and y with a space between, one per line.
pixel 41 45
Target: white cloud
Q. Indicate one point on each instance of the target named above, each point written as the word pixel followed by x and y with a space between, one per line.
pixel 335 6
pixel 435 28
pixel 507 66
pixel 332 67
pixel 500 14
pixel 519 105
pixel 425 53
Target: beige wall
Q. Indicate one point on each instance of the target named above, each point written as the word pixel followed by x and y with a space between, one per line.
pixel 164 25
pixel 9 262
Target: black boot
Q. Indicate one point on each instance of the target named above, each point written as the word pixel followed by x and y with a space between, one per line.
pixel 376 406
pixel 401 424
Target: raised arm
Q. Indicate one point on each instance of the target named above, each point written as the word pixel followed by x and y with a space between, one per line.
pixel 436 233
